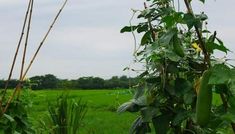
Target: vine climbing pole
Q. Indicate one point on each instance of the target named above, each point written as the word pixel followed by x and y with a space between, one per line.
pixel 185 88
pixel 4 102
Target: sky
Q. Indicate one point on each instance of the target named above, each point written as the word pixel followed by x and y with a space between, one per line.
pixel 86 40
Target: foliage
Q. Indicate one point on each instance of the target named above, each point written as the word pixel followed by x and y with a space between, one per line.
pixel 65 117
pixel 49 81
pixel 176 49
pixel 16 120
pixel 101 109
pixel 46 82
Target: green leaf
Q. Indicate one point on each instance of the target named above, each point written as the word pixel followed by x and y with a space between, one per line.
pixel 161 123
pixel 169 20
pixel 191 21
pixel 188 97
pixel 128 106
pixel 11 119
pixel 172 56
pixel 153 80
pixel 202 17
pixel 140 127
pixel 139 92
pixel 203 1
pixel 146 38
pixel 182 86
pixel 167 37
pixel 230 117
pixel 147 113
pixel 180 117
pixel 220 74
pixel 142 28
pixel 211 46
pixel 128 29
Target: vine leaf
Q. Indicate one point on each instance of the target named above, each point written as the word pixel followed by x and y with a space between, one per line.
pixel 191 21
pixel 203 1
pixel 220 74
pixel 161 123
pixel 167 37
pixel 146 38
pixel 140 127
pixel 128 29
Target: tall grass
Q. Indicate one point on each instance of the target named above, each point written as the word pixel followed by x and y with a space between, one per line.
pixel 65 117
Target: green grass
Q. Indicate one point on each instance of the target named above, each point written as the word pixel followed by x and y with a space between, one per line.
pixel 101 117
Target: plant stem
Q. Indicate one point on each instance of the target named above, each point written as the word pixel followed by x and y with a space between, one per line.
pixel 202 43
pixel 225 103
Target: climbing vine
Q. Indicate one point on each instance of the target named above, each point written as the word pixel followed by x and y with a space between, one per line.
pixel 184 88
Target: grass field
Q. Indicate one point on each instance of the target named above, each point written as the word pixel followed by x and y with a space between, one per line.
pixel 101 117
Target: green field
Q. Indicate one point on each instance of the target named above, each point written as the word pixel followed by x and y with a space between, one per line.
pixel 101 117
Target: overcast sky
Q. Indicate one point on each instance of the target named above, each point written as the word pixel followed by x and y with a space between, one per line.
pixel 85 40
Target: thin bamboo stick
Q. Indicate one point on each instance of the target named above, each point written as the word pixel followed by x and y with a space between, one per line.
pixel 34 56
pixel 16 54
pixel 25 47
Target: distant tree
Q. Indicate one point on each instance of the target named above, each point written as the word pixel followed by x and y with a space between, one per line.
pixel 36 82
pixel 124 81
pixel 50 81
pixel 97 83
pixel 2 84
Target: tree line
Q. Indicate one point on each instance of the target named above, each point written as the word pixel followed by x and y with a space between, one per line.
pixel 50 81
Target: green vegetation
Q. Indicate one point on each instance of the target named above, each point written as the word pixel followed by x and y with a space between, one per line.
pixel 49 81
pixel 177 48
pixel 101 114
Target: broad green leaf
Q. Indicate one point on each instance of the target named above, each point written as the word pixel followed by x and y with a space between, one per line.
pixel 139 92
pixel 140 127
pixel 141 101
pixel 169 20
pixel 161 123
pixel 220 74
pixel 172 56
pixel 128 29
pixel 128 106
pixel 211 46
pixel 228 117
pixel 153 80
pixel 146 38
pixel 142 28
pixel 180 117
pixel 203 17
pixel 191 21
pixel 188 97
pixel 167 37
pixel 182 86
pixel 11 119
pixel 203 1
pixel 172 68
pixel 147 113
pixel 231 101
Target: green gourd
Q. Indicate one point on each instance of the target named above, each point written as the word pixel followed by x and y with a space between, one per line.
pixel 204 100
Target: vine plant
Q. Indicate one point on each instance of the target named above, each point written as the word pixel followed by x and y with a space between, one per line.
pixel 184 88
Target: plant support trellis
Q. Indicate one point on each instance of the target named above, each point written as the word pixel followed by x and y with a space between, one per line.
pixel 4 103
